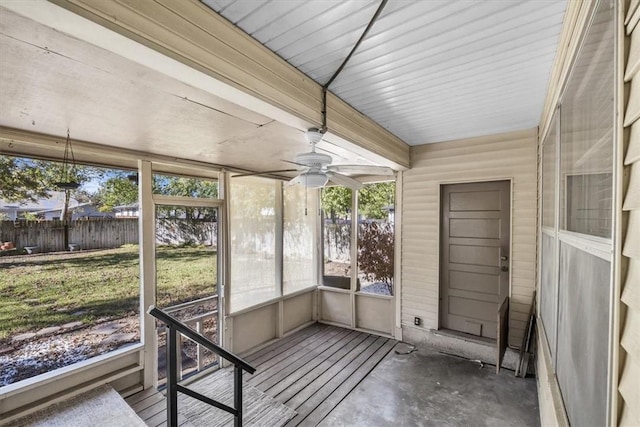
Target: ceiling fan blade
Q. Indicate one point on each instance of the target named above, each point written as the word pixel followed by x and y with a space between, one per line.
pixel 361 169
pixel 344 180
pixel 294 163
pixel 264 173
pixel 294 181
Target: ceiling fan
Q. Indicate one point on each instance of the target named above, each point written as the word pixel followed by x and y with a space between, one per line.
pixel 316 168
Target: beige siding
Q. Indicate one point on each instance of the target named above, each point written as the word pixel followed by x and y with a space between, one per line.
pixel 506 156
pixel 630 327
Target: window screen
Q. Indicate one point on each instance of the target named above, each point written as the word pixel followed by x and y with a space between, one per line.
pixel 587 133
pixel 252 241
pixel 299 252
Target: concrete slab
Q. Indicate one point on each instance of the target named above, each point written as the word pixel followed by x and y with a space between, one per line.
pixel 107 329
pixel 23 337
pixel 71 325
pixel 119 338
pixel 428 388
pixel 48 331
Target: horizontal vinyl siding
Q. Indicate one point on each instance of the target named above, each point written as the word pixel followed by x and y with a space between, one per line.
pixel 489 158
pixel 630 327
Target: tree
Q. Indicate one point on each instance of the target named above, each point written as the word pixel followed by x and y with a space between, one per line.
pixel 21 181
pixel 336 202
pixel 373 198
pixel 187 187
pixel 53 173
pixel 116 191
pixel 26 180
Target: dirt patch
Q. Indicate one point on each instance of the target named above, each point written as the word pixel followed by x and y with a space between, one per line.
pixel 26 358
pixel 37 354
pixel 334 268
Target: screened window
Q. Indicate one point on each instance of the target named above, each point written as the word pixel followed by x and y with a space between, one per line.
pixel 376 211
pixel 252 241
pixel 587 134
pixel 69 267
pixel 549 274
pixel 181 186
pixel 298 248
pixel 549 176
pixel 336 234
pixel 575 280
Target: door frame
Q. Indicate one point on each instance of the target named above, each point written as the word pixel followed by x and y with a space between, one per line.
pixel 361 302
pixel 439 213
pixel 219 204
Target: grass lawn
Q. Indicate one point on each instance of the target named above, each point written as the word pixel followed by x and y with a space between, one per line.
pixel 44 290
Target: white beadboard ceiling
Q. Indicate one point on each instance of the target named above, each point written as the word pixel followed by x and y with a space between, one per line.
pixel 428 71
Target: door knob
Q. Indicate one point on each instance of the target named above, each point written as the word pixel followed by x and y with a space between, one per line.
pixel 504 258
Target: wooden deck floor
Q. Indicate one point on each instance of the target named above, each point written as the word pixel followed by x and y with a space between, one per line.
pixel 310 371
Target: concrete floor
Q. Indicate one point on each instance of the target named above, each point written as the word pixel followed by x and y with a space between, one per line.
pixel 428 388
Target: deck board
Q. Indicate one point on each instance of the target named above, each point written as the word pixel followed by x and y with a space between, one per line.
pixel 339 393
pixel 135 398
pixel 291 354
pixel 310 371
pixel 283 368
pixel 147 402
pixel 284 344
pixel 288 387
pixel 317 391
pixel 308 362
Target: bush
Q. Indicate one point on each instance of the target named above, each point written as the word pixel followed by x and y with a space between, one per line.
pixel 375 252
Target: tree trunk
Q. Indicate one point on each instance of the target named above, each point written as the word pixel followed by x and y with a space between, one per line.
pixel 66 217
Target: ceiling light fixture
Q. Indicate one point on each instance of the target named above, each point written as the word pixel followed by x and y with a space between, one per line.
pixel 313 179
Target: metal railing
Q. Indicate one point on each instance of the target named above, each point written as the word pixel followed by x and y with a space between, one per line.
pixel 175 327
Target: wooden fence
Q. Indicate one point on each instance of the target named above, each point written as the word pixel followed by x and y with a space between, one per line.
pixel 48 236
pixel 337 242
pixel 105 233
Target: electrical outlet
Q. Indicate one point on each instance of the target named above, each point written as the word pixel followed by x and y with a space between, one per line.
pixel 416 321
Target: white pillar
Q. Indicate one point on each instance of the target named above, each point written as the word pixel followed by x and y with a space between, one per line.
pixel 147 242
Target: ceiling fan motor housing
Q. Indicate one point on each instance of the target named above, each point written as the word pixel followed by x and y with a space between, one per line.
pixel 314 135
pixel 313 160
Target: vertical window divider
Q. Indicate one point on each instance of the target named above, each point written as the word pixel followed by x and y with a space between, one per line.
pixel 279 254
pixel 354 254
pixel 556 227
pixel 279 240
pixel 227 336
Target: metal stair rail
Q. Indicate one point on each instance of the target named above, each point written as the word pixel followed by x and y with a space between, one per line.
pixel 175 326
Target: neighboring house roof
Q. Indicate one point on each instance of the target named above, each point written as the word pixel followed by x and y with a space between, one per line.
pixel 126 207
pixel 55 200
pixel 71 208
